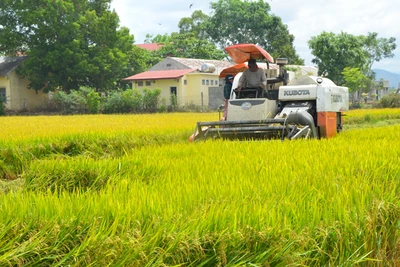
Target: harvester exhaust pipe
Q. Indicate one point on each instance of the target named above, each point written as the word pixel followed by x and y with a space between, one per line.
pixel 302 117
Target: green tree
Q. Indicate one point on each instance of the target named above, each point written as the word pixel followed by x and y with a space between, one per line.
pixel 158 39
pixel 138 60
pixel 93 101
pixel 334 52
pixel 378 48
pixel 188 45
pixel 355 80
pixel 69 43
pixel 237 21
pixel 195 24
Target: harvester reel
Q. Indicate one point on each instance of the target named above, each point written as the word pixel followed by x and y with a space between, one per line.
pixel 252 129
pixel 302 133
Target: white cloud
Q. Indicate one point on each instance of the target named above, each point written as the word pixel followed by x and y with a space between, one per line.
pixel 305 19
pixel 311 17
pixel 156 16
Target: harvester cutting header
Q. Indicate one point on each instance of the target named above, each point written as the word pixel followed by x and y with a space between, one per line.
pixel 301 107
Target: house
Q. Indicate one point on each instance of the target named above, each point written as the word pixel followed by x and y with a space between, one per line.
pixel 380 90
pixel 14 91
pixel 192 81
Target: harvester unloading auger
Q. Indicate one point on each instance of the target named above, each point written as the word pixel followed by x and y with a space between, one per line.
pixel 304 107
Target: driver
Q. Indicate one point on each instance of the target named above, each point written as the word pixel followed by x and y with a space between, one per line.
pixel 253 77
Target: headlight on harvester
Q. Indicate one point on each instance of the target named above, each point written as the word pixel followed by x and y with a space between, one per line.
pixel 246 105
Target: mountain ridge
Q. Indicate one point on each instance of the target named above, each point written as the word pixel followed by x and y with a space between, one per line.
pixel 393 78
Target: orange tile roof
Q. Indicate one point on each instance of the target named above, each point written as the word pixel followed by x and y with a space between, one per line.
pixel 150 47
pixel 159 74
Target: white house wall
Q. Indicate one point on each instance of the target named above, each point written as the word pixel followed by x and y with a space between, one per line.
pixel 191 92
pixel 165 86
pixel 197 88
pixel 19 97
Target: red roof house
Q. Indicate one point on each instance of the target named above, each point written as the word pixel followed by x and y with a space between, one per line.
pixel 193 81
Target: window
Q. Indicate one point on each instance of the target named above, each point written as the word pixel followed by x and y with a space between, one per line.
pixel 185 82
pixel 148 83
pixel 140 83
pixel 173 90
pixel 203 82
pixel 212 82
pixel 207 81
pixel 3 97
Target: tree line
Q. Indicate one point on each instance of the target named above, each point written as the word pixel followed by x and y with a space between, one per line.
pixel 75 43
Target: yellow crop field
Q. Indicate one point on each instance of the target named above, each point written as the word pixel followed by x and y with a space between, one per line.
pixel 20 128
pixel 129 190
pixel 373 115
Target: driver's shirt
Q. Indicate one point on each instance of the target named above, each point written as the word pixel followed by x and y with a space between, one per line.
pixel 250 79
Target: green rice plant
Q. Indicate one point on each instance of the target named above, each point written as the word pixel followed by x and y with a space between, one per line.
pixel 22 128
pixel 161 201
pixel 234 197
pixel 91 135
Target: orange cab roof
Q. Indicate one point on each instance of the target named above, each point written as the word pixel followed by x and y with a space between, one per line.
pixel 233 70
pixel 241 53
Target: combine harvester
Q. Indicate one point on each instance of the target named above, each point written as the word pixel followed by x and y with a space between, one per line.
pixel 304 107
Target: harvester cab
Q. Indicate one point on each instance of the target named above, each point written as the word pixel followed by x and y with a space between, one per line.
pixel 301 107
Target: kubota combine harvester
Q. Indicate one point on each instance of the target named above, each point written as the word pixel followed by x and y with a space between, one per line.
pixel 304 107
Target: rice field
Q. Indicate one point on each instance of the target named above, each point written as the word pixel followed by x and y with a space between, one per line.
pixel 129 190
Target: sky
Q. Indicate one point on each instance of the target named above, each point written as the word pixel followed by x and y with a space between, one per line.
pixel 305 19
